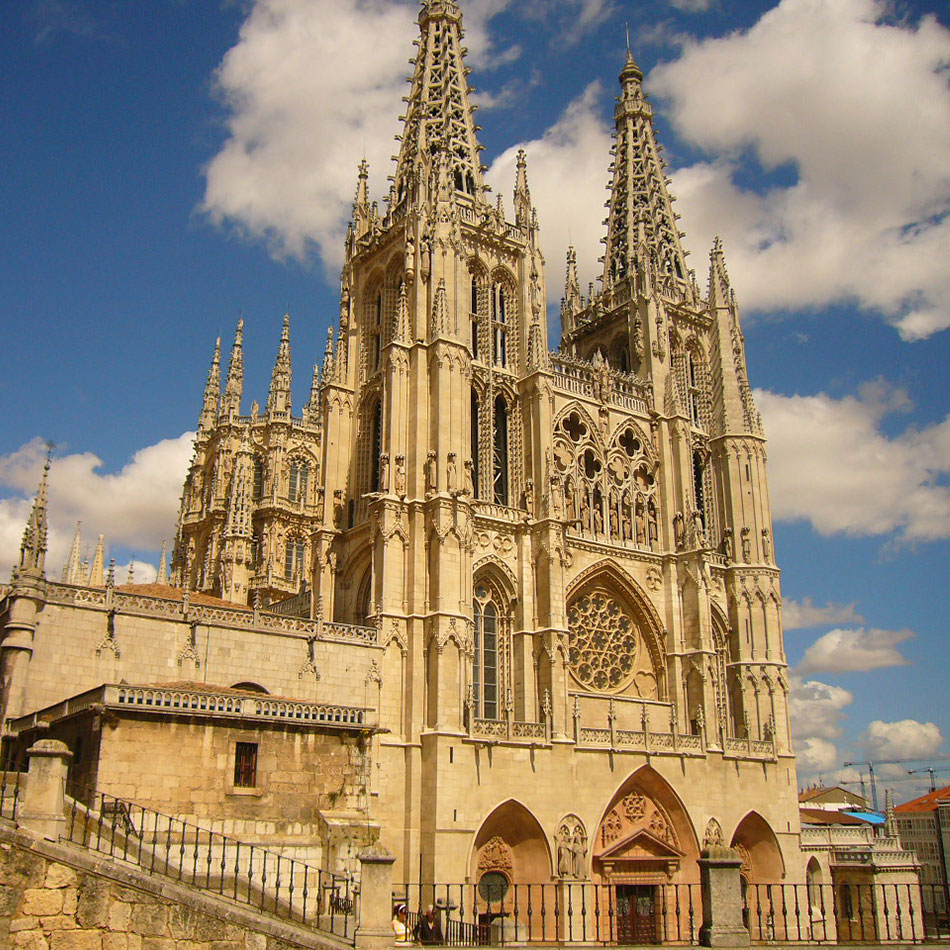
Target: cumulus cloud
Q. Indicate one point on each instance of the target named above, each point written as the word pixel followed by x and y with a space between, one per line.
pixel 692 6
pixel 313 86
pixel 802 615
pixel 853 651
pixel 905 739
pixel 815 755
pixel 882 483
pixel 816 709
pixel 566 173
pixel 135 507
pixel 856 108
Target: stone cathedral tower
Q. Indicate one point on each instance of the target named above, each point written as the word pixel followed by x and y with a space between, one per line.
pixel 565 556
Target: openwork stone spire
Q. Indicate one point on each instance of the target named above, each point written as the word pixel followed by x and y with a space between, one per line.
pixel 72 572
pixel 234 385
pixel 240 509
pixel 439 116
pixel 33 546
pixel 641 225
pixel 278 400
pixel 212 396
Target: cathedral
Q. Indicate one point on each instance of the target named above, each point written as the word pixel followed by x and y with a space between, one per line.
pixel 521 603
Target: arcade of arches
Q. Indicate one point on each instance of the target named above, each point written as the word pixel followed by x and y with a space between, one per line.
pixel 644 836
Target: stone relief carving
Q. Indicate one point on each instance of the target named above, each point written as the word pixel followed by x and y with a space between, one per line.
pixel 571 846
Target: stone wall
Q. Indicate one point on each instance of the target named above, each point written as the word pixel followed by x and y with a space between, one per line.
pixel 53 897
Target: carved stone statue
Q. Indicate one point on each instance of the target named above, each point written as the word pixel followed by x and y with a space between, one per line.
pixel 641 522
pixel 699 531
pixel 432 474
pixel 679 529
pixel 384 474
pixel 746 545
pixel 529 497
pixel 401 475
pixel 556 499
pixel 727 547
pixel 338 508
pixel 469 488
pixel 766 544
pixel 321 504
pixel 450 473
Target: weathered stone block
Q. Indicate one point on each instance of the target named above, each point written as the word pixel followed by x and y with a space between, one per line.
pixel 62 922
pixel 76 940
pixel 59 875
pixel 120 914
pixel 29 940
pixel 181 922
pixel 149 920
pixel 39 902
pixel 23 923
pixel 93 910
pixel 115 941
pixel 208 928
pixel 158 943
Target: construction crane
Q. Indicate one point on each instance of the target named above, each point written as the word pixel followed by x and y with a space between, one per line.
pixel 932 771
pixel 871 764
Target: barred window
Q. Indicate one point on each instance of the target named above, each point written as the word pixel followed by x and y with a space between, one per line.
pixel 245 765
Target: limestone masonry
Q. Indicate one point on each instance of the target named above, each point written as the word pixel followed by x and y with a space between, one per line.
pixel 508 611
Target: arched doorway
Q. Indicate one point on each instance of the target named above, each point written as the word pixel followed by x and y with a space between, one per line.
pixel 644 843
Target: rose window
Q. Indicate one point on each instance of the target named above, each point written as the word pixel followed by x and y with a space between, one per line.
pixel 604 642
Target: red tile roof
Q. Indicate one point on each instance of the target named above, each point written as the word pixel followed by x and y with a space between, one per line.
pixel 167 592
pixel 926 802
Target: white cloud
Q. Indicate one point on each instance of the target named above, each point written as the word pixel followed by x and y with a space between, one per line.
pixel 815 755
pixel 135 507
pixel 314 85
pixel 882 484
pixel 311 86
pixel 816 709
pixel 692 6
pixel 859 108
pixel 852 651
pixel 802 615
pixel 906 739
pixel 567 172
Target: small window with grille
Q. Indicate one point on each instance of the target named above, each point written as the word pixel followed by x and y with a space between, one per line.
pixel 245 765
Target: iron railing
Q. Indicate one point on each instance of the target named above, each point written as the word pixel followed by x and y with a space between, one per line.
pixel 11 790
pixel 268 881
pixel 578 912
pixel 836 913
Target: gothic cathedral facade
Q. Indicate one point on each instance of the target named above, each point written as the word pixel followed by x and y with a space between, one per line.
pixel 563 559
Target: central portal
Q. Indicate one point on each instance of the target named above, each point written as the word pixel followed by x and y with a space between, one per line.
pixel 637 914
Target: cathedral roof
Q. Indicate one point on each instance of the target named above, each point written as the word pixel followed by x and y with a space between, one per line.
pixel 167 592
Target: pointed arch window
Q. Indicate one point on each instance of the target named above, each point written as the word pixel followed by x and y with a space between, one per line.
pixel 476 416
pixel 294 559
pixel 377 332
pixel 376 447
pixel 258 478
pixel 298 481
pixel 499 316
pixel 699 487
pixel 500 454
pixel 485 679
pixel 474 317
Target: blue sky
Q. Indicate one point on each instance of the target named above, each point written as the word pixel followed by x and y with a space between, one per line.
pixel 169 166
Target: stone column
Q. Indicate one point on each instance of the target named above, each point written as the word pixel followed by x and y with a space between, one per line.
pixel 722 899
pixel 42 808
pixel 376 886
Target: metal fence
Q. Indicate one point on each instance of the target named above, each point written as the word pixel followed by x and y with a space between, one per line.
pixel 493 913
pixel 11 790
pixel 496 913
pixel 837 913
pixel 265 880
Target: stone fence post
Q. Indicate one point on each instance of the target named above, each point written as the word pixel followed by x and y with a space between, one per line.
pixel 42 808
pixel 375 928
pixel 722 899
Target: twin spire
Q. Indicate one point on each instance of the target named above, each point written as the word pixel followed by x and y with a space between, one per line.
pixel 228 404
pixel 439 119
